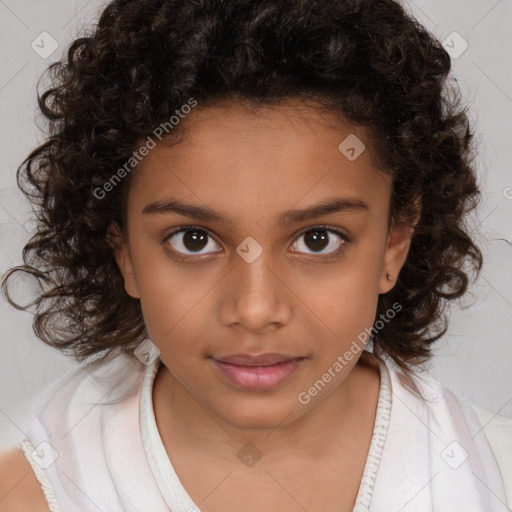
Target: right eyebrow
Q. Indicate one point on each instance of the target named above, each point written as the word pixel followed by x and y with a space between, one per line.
pixel 188 210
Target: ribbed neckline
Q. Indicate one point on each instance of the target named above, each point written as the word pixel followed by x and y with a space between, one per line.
pixel 380 429
pixel 170 485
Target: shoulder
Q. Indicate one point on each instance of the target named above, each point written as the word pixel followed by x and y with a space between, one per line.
pixel 483 433
pixel 53 413
pixel 498 430
pixel 20 490
pixel 98 400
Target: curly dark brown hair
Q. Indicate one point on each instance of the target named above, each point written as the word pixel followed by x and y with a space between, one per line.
pixel 367 60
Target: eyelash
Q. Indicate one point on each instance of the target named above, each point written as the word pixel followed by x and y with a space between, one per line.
pixel 338 251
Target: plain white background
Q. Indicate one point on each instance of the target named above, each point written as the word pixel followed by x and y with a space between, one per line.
pixel 474 359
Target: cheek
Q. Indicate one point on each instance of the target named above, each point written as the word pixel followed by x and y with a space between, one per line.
pixel 345 304
pixel 173 319
pixel 170 294
pixel 170 307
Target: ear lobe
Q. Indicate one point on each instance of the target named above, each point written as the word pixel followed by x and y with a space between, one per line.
pixel 398 244
pixel 123 259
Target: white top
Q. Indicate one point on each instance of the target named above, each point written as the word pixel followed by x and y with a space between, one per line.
pixel 98 446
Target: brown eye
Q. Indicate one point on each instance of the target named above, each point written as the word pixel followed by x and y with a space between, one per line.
pixel 318 239
pixel 191 241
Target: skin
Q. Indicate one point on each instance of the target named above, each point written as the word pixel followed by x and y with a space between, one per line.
pixel 20 490
pixel 250 167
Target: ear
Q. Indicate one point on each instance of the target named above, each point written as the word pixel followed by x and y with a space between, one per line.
pixel 119 244
pixel 397 248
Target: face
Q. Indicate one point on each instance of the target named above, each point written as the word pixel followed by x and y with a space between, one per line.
pixel 250 288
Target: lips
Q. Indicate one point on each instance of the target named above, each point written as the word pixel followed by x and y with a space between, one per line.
pixel 256 360
pixel 257 372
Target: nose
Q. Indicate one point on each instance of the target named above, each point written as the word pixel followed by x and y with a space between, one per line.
pixel 255 296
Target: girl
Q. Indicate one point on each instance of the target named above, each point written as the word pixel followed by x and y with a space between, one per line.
pixel 251 217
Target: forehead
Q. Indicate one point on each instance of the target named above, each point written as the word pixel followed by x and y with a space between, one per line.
pixel 260 157
pixel 246 127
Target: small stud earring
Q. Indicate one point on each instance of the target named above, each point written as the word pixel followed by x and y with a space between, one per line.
pixel 388 275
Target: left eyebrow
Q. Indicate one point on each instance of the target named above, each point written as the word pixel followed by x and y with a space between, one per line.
pixel 326 207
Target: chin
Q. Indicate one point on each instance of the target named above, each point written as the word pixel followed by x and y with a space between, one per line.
pixel 264 417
